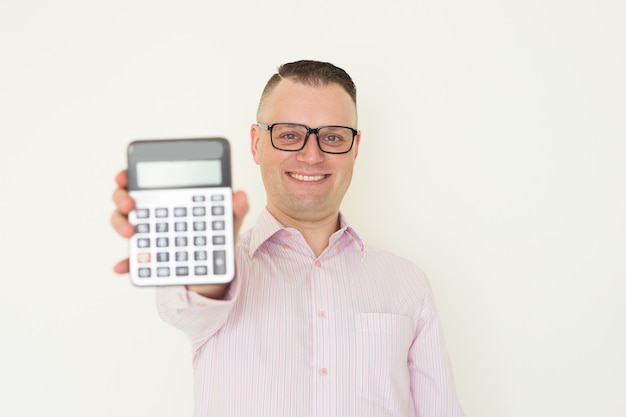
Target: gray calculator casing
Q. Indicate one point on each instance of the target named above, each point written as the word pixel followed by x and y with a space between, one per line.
pixel 183 232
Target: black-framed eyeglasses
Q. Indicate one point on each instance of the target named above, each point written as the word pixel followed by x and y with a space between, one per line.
pixel 292 137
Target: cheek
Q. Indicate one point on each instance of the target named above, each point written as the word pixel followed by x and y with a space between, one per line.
pixel 347 173
pixel 262 155
pixel 269 163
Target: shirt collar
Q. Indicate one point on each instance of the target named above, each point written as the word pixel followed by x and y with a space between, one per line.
pixel 267 226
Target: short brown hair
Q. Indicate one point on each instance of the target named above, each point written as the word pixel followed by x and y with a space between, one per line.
pixel 314 73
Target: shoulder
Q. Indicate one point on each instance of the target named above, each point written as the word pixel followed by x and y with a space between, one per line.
pixel 377 255
pixel 392 267
pixel 242 247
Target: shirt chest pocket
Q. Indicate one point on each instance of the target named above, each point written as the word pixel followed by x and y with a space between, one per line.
pixel 381 349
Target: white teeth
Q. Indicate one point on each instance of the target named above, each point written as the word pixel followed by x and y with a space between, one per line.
pixel 307 177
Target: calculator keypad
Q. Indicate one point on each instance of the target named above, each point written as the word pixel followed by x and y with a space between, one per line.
pixel 182 236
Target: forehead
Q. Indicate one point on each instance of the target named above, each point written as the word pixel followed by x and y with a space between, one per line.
pixel 291 101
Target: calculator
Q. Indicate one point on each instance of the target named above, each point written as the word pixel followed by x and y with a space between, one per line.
pixel 183 214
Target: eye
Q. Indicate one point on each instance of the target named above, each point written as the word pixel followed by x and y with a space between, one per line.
pixel 333 137
pixel 289 136
pixel 288 132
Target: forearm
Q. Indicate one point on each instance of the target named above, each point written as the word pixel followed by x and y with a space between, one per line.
pixel 432 382
pixel 197 316
pixel 215 292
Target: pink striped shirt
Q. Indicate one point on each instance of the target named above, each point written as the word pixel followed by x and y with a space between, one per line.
pixel 353 332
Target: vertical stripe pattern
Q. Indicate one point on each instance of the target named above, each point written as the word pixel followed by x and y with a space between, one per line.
pixel 353 332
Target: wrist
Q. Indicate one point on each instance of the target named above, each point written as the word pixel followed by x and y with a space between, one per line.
pixel 215 292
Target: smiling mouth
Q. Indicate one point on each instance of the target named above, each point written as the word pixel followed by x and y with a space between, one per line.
pixel 307 177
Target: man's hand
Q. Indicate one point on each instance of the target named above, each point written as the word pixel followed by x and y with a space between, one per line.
pixel 119 220
pixel 125 204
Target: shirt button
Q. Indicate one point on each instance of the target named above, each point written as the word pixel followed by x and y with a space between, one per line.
pixel 323 372
pixel 322 314
pixel 318 263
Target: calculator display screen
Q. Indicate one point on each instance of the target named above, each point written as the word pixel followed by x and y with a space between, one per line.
pixel 174 174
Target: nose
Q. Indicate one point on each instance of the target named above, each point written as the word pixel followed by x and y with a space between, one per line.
pixel 311 153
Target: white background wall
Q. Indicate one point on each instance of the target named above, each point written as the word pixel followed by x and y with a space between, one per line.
pixel 492 156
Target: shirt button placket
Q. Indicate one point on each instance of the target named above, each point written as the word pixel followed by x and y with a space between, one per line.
pixel 322 315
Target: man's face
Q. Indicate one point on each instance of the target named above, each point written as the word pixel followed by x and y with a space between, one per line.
pixel 307 185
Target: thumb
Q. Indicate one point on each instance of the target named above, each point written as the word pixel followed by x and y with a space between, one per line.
pixel 240 209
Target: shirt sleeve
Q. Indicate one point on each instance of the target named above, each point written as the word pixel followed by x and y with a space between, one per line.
pixel 197 316
pixel 432 383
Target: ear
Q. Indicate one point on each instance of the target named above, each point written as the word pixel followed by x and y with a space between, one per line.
pixel 255 139
pixel 357 141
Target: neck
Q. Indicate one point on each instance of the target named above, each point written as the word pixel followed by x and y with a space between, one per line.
pixel 316 231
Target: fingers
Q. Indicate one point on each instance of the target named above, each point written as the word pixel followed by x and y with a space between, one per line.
pixel 121 198
pixel 123 201
pixel 121 267
pixel 122 178
pixel 240 209
pixel 119 219
pixel 124 204
pixel 240 204
pixel 121 225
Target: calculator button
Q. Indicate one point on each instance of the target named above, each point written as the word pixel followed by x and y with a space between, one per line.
pixel 181 256
pixel 219 262
pixel 143 272
pixel 199 211
pixel 162 227
pixel 180 212
pixel 163 271
pixel 199 255
pixel 199 226
pixel 180 226
pixel 217 210
pixel 182 271
pixel 143 257
pixel 143 243
pixel 201 270
pixel 217 197
pixel 219 240
pixel 181 241
pixel 199 241
pixel 163 257
pixel 142 213
pixel 197 198
pixel 160 212
pixel 219 225
pixel 142 228
pixel 162 242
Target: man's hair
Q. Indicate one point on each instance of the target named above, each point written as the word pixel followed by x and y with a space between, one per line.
pixel 313 73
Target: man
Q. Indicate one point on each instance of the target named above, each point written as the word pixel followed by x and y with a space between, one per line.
pixel 315 323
